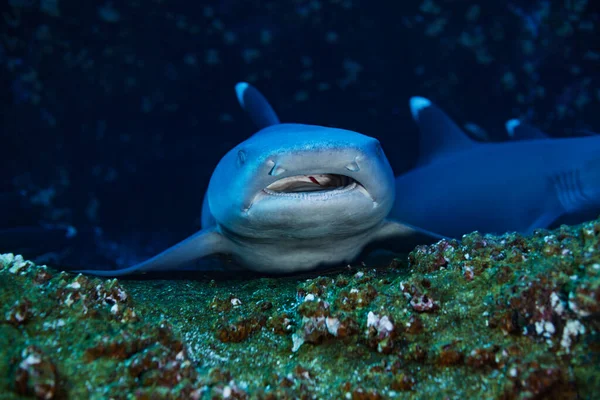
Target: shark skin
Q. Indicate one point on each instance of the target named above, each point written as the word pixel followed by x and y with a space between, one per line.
pixel 292 198
pixel 461 186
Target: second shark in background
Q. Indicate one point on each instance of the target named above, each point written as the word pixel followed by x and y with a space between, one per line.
pixel 531 181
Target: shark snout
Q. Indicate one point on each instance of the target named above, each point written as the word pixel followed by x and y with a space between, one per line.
pixel 319 163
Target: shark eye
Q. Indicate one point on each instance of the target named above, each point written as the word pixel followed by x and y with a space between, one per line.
pixel 241 158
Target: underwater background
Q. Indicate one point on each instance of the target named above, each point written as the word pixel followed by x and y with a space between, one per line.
pixel 113 116
pixel 115 113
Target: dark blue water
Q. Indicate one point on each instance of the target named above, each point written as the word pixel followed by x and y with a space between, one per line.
pixel 114 114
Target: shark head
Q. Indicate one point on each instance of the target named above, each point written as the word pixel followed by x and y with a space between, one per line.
pixel 302 181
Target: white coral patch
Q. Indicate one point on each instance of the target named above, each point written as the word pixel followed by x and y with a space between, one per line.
pixel 372 319
pixel 575 308
pixel 297 341
pixel 17 264
pixel 6 259
pixel 557 304
pixel 333 324
pixel 74 285
pixel 383 325
pixel 571 330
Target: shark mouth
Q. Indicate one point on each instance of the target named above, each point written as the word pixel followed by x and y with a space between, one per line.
pixel 297 184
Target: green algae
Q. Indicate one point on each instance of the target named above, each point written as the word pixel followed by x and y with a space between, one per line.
pixel 490 317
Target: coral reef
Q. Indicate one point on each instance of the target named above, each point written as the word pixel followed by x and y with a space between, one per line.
pixel 491 316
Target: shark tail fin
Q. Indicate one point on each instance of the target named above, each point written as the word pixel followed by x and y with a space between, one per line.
pixel 203 243
pixel 256 105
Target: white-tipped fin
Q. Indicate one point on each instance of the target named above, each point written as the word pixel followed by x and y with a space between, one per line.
pixel 255 105
pixel 439 134
pixel 518 130
pixel 511 125
pixel 417 104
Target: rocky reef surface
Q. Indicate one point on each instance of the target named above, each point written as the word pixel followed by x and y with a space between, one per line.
pixel 497 317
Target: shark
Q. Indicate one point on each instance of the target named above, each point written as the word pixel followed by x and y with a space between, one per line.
pixel 528 182
pixel 292 197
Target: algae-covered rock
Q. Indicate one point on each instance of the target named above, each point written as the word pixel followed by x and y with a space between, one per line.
pixel 489 317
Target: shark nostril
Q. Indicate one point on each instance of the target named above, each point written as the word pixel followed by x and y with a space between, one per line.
pixel 353 166
pixel 276 169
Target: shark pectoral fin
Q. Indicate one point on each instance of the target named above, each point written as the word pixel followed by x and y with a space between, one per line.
pixel 544 221
pixel 439 134
pixel 203 243
pixel 256 105
pixel 519 131
pixel 401 237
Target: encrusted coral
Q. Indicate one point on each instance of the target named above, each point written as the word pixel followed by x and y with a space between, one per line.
pixel 510 315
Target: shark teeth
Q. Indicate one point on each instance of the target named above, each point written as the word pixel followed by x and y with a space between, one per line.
pixel 315 193
pixel 309 183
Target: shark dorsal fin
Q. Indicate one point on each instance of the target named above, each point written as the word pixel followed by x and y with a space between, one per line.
pixel 439 134
pixel 255 105
pixel 519 131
